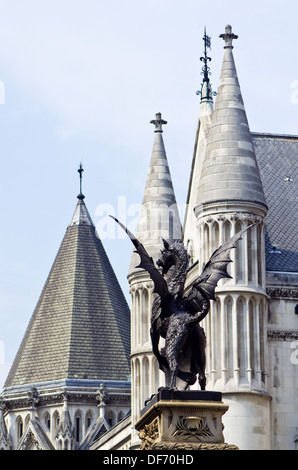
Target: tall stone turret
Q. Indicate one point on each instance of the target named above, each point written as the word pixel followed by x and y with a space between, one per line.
pixel 159 218
pixel 230 197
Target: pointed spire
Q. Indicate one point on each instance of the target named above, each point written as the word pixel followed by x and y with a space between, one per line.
pixel 81 215
pixel 66 428
pixel 229 170
pixel 159 217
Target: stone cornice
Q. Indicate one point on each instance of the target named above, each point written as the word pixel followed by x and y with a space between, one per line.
pixel 231 206
pixel 282 292
pixel 21 402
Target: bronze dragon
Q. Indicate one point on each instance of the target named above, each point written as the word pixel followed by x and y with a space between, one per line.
pixel 176 314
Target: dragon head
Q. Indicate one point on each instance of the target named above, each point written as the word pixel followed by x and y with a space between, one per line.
pixel 173 255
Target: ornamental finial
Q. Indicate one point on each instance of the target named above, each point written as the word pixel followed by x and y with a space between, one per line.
pixel 206 89
pixel 80 171
pixel 228 37
pixel 158 122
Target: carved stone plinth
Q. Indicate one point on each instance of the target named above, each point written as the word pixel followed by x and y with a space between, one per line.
pixel 186 420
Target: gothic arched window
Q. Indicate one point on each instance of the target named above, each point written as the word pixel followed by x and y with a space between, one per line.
pixel 88 419
pixel 111 418
pixel 20 427
pixel 78 425
pixel 47 420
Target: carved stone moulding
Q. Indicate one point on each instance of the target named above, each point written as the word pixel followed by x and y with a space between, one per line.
pixel 231 208
pixel 189 446
pixel 30 442
pixel 232 217
pixel 282 293
pixel 184 422
pixel 22 402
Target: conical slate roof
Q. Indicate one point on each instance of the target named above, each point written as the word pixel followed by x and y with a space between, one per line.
pixel 81 325
pixel 159 217
pixel 229 170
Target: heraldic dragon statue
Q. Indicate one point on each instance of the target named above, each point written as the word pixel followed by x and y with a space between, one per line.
pixel 176 314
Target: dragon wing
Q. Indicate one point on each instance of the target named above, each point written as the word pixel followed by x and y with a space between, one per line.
pixel 160 285
pixel 214 270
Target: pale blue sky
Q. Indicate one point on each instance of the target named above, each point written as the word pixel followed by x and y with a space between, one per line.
pixel 82 80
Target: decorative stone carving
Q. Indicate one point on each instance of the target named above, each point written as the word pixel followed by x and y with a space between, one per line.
pixel 33 399
pixel 192 426
pixel 102 396
pixel 30 442
pixel 282 292
pixel 189 446
pixel 149 434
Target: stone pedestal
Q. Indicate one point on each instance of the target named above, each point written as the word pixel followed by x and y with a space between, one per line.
pixel 184 420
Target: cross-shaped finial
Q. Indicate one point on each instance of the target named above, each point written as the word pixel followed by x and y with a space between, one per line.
pixel 80 171
pixel 158 122
pixel 228 37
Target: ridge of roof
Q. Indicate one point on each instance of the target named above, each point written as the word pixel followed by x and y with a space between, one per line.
pixel 271 135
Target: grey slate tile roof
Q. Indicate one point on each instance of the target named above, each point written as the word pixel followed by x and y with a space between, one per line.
pixel 277 157
pixel 81 325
